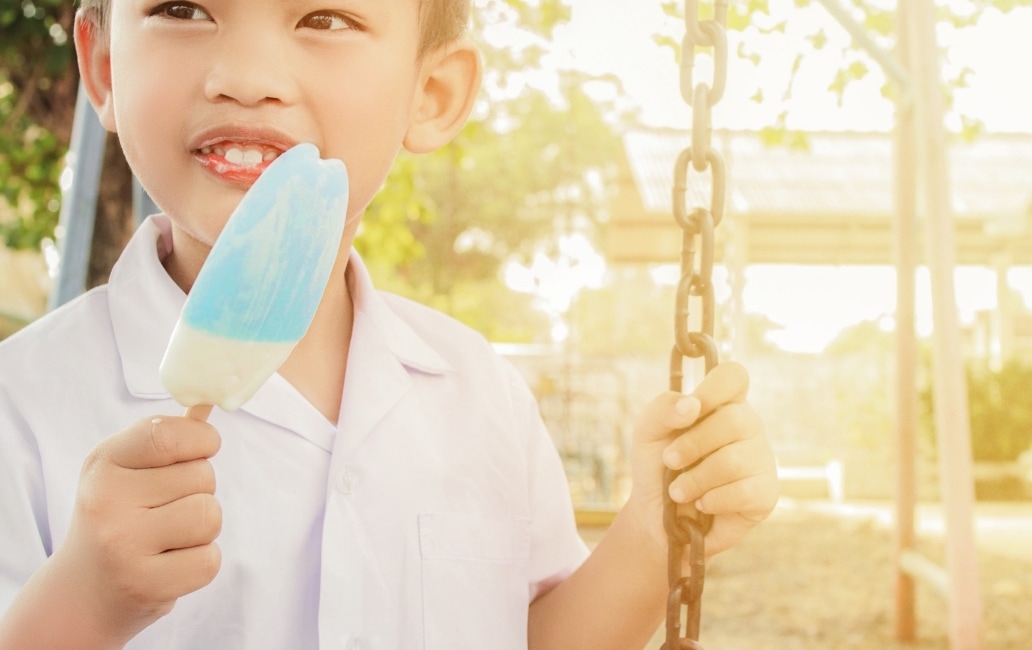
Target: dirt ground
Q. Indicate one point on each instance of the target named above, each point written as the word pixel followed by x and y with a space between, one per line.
pixel 810 579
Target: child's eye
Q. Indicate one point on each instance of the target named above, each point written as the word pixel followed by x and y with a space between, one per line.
pixel 180 11
pixel 328 20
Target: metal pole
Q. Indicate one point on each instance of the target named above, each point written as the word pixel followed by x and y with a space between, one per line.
pixel 952 422
pixel 905 236
pixel 80 186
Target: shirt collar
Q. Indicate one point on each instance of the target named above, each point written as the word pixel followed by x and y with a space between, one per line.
pixel 378 316
pixel 145 304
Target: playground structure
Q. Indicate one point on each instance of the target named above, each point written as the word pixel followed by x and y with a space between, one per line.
pixel 920 168
pixel 920 163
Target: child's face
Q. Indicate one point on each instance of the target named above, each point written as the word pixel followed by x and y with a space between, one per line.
pixel 200 92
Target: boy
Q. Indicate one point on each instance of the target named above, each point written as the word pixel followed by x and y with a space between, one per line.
pixel 392 486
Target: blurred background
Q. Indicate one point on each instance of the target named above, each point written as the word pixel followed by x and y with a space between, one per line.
pixel 547 226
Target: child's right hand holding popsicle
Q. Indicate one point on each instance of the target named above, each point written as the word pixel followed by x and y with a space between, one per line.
pixel 145 519
pixel 142 535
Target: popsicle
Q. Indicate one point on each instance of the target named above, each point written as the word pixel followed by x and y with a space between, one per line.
pixel 258 290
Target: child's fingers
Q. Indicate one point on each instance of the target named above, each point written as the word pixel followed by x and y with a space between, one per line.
pixel 728 382
pixel 167 484
pixel 738 507
pixel 186 570
pixel 731 463
pixel 726 532
pixel 752 498
pixel 729 424
pixel 667 412
pixel 195 520
pixel 162 441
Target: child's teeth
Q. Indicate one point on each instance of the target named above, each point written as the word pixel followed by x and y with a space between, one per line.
pixel 242 156
pixel 252 157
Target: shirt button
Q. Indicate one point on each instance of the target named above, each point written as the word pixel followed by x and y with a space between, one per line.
pixel 345 484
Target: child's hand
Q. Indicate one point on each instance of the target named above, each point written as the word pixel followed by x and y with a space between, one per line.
pixel 144 524
pixel 736 481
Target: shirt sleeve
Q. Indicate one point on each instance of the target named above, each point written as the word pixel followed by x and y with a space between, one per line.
pixel 24 528
pixel 556 548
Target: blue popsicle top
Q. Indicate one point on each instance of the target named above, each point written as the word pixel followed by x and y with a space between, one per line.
pixel 267 272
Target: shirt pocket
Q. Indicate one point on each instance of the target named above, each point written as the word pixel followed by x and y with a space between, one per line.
pixel 475 585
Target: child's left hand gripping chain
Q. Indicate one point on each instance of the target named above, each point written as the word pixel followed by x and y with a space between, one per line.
pixel 731 472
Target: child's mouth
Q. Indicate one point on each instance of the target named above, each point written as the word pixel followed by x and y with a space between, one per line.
pixel 242 155
pixel 237 163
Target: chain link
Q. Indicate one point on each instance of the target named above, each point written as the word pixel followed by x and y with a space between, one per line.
pixel 686 530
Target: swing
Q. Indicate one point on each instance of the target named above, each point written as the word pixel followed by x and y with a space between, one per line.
pixel 697 226
pixel 920 129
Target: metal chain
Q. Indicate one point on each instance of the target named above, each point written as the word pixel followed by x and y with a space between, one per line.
pixel 686 530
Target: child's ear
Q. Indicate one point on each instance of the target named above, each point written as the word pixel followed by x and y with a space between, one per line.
pixel 448 87
pixel 93 53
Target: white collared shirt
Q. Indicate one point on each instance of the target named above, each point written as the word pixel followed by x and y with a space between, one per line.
pixel 429 516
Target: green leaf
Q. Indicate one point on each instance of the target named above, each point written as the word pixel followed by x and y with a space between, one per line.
pixel 881 22
pixel 668 42
pixel 858 70
pixel 818 39
pixel 673 9
pixel 752 57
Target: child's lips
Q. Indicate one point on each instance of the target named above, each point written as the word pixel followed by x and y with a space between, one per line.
pixel 236 163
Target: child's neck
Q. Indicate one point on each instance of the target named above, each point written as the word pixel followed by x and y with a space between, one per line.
pixel 316 366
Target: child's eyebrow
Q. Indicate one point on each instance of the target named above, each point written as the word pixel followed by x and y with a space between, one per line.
pixel 371 7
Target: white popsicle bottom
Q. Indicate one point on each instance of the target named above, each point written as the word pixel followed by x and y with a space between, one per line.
pixel 201 368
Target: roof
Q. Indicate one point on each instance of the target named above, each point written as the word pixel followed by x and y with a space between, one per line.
pixel 829 203
pixel 991 177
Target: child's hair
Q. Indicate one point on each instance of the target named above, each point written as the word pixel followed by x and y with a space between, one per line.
pixel 441 21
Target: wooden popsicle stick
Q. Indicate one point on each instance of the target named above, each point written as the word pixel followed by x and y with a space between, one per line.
pixel 199 412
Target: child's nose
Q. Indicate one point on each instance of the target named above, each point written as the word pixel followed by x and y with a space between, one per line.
pixel 250 71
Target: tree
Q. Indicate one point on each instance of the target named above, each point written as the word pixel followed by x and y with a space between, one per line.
pixel 529 167
pixel 532 163
pixel 758 21
pixel 37 97
pixel 38 87
pixel 450 218
pixel 862 380
pixel 1001 415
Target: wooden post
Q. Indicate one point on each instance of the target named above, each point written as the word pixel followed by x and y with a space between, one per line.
pixel 905 254
pixel 1002 340
pixel 952 424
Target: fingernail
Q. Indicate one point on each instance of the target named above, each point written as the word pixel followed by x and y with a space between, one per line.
pixel 676 493
pixel 698 506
